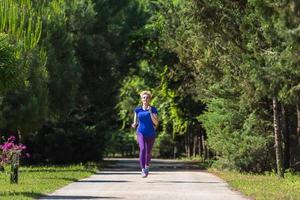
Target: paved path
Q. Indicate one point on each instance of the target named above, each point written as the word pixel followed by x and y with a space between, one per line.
pixel 168 180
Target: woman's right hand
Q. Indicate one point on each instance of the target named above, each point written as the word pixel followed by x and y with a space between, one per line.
pixel 133 125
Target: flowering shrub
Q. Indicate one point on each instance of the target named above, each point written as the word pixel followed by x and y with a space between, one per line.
pixel 11 152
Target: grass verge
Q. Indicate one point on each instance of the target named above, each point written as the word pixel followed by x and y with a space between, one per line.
pixel 263 186
pixel 36 181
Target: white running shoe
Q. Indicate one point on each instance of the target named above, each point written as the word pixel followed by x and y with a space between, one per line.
pixel 144 175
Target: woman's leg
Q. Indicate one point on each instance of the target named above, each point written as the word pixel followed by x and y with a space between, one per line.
pixel 141 141
pixel 149 145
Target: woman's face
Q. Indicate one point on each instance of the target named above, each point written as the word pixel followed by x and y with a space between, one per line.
pixel 145 99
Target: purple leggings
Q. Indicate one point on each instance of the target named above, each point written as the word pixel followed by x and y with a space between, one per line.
pixel 146 144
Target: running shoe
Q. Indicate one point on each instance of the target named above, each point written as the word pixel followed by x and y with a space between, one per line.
pixel 146 170
pixel 144 175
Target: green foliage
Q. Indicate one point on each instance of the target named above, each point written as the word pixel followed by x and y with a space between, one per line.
pixel 66 24
pixel 86 61
pixel 73 141
pixel 30 99
pixel 238 55
pixel 27 93
pixel 129 98
pixel 163 146
pixel 243 148
pixel 160 71
pixel 122 143
pixel 8 64
pixel 69 53
pixel 22 22
pixel 49 35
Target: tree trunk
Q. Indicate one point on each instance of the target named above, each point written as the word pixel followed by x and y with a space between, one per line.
pixel 286 141
pixel 298 121
pixel 175 150
pixel 14 173
pixel 188 145
pixel 207 151
pixel 278 140
pixel 199 145
pixel 195 145
pixel 204 148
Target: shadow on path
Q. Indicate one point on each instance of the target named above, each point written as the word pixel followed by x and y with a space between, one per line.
pixel 186 182
pixel 103 181
pixel 77 197
pixel 157 165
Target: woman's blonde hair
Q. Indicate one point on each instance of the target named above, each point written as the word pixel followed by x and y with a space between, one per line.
pixel 146 92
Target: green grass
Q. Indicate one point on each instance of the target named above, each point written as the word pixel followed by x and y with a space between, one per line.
pixel 263 187
pixel 36 181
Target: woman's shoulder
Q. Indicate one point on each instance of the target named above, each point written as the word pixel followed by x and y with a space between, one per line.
pixel 137 109
pixel 154 109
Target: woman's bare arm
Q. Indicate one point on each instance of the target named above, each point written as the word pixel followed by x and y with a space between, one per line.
pixel 154 117
pixel 134 124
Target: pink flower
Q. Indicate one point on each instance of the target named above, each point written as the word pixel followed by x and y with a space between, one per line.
pixel 9 149
pixel 7 146
pixel 11 139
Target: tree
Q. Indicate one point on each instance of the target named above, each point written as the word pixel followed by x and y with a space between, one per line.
pixel 234 51
pixel 22 24
pixel 8 65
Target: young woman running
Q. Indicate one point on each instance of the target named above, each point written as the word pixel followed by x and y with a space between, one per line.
pixel 145 117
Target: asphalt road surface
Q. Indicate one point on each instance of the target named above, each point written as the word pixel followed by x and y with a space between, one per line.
pixel 168 179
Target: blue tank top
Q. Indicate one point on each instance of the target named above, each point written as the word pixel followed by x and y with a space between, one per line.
pixel 146 126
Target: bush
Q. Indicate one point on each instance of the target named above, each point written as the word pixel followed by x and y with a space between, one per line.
pixel 163 146
pixel 71 142
pixel 122 143
pixel 239 139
